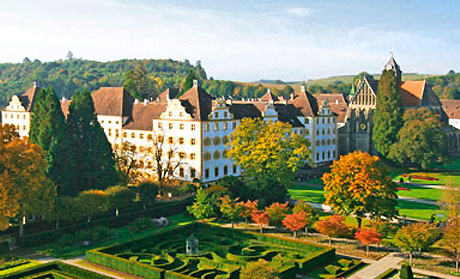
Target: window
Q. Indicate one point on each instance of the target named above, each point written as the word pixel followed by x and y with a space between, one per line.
pixel 317 120
pixel 207 156
pixel 149 137
pixel 216 155
pixel 117 122
pixel 17 116
pixel 141 136
pixel 181 172
pixel 235 169
pixel 216 140
pixel 160 139
pixel 125 135
pixel 192 156
pixel 117 133
pixel 224 153
pixel 328 141
pixel 24 117
pixel 206 173
pixel 225 140
pixel 225 126
pixel 181 114
pixel 333 153
pixel 207 141
pixel 141 149
pixel 225 170
pixel 181 141
pixel 234 125
pixel 216 171
pixel 110 132
pixel 192 172
pixel 307 121
pixel 160 125
pixel 192 141
pixel 170 113
pixel 24 127
pixel 225 114
pixel 323 155
pixel 322 120
pixel 170 140
pixel 216 126
pixel 216 114
pixel 317 142
pixel 317 132
pixel 133 135
pixel 206 127
pixel 170 154
pixel 141 164
pixel 317 156
pixel 181 126
pixel 170 126
pixel 193 127
pixel 182 155
pixel 329 154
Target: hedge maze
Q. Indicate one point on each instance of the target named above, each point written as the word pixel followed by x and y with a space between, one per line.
pixel 221 254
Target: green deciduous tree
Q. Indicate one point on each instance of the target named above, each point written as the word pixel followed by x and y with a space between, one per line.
pixel 148 192
pixel 93 162
pixel 421 140
pixel 92 202
pixel 269 154
pixel 388 113
pixel 120 197
pixel 65 208
pixel 139 84
pixel 187 82
pixel 414 237
pixel 451 239
pixel 277 212
pixel 358 184
pixel 207 202
pixel 230 209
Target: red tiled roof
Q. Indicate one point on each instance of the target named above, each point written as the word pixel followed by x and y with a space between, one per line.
pixel 306 103
pixel 169 93
pixel 143 115
pixel 411 92
pixel 337 104
pixel 451 108
pixel 197 103
pixel 28 98
pixel 114 101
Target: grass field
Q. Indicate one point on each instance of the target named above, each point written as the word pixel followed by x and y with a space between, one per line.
pixel 307 193
pixel 420 192
pixel 418 210
pixel 444 177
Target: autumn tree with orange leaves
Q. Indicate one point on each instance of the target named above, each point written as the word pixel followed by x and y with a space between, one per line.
pixel 276 212
pixel 24 187
pixel 295 222
pixel 333 226
pixel 368 237
pixel 358 185
pixel 246 208
pixel 260 218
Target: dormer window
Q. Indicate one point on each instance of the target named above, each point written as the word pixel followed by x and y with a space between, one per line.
pixel 216 114
pixel 170 113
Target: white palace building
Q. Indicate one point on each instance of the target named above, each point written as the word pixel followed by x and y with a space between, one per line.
pixel 197 125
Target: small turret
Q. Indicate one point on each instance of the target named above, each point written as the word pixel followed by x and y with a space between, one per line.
pixel 393 66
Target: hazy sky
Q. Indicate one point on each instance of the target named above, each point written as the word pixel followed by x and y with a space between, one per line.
pixel 240 39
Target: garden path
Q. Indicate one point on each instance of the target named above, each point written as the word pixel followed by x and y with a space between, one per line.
pixel 376 268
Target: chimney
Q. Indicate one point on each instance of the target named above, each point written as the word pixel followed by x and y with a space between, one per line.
pixel 63 99
pixel 303 89
pixel 336 101
pixel 146 102
pixel 195 82
pixel 35 84
pixel 136 101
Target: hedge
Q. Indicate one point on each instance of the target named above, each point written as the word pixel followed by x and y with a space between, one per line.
pixel 387 273
pixel 159 210
pixel 4 246
pixel 61 268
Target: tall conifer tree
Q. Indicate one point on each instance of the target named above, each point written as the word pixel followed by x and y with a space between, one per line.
pixel 94 163
pixel 388 113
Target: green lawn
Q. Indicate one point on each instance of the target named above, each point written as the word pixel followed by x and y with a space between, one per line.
pixel 418 210
pixel 307 193
pixel 444 177
pixel 316 181
pixel 420 192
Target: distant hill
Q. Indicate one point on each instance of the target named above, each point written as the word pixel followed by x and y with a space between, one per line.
pixel 349 78
pixel 67 76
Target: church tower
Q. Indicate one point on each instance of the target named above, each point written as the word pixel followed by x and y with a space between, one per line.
pixel 392 65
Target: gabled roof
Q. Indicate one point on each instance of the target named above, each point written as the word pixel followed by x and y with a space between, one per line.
pixel 269 97
pixel 143 115
pixel 169 93
pixel 288 113
pixel 451 108
pixel 411 92
pixel 305 102
pixel 28 98
pixel 337 104
pixel 113 101
pixel 197 103
pixel 241 110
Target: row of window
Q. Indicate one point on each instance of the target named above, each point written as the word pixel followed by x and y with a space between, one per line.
pixel 110 122
pixel 181 126
pixel 325 142
pixel 217 171
pixel 324 120
pixel 12 116
pixel 215 155
pixel 216 126
pixel 325 156
pixel 327 131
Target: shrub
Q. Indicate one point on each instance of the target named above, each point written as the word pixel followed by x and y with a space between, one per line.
pixel 345 263
pixel 406 272
pixel 333 269
pixel 276 212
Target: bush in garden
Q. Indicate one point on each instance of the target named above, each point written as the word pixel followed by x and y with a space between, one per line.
pixel 333 269
pixel 140 224
pixel 276 212
pixel 386 228
pixel 260 270
pixel 406 272
pixel 120 196
pixel 147 192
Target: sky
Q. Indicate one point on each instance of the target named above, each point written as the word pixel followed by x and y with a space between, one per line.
pixel 242 40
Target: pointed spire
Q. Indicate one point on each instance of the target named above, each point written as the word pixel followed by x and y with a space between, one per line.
pixel 393 66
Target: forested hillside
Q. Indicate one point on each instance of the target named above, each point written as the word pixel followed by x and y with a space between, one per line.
pixel 446 86
pixel 67 76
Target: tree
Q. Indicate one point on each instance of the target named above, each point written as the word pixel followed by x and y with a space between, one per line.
pixel 277 212
pixel 260 218
pixel 450 199
pixel 414 237
pixel 295 222
pixel 451 239
pixel 120 196
pixel 69 56
pixel 234 185
pixel 270 154
pixel 24 186
pixel 139 84
pixel 358 184
pixel 47 129
pixel 90 145
pixel 312 214
pixel 207 202
pixel 421 140
pixel 260 269
pixel 388 113
pixel 333 226
pixel 127 165
pixel 92 202
pixel 230 209
pixel 148 192
pixel 65 208
pixel 247 208
pixel 187 82
pixel 368 237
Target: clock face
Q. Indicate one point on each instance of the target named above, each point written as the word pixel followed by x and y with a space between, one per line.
pixel 363 126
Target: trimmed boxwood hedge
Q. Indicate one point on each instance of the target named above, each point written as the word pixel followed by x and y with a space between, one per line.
pixel 213 262
pixel 158 210
pixel 58 268
pixel 387 274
